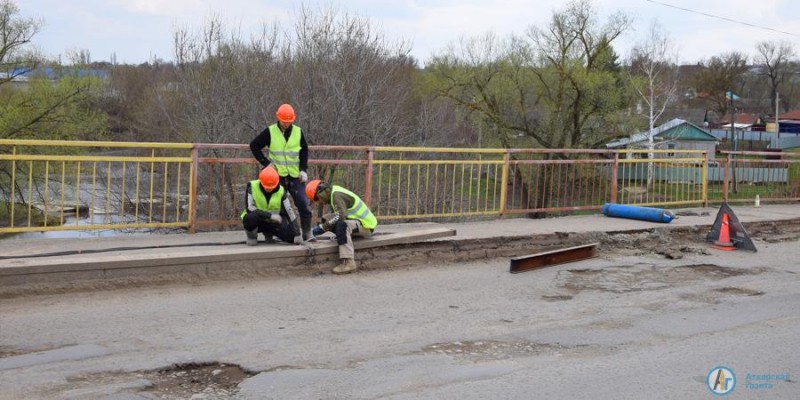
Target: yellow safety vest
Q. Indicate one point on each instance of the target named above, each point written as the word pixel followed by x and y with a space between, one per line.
pixel 274 204
pixel 285 155
pixel 358 211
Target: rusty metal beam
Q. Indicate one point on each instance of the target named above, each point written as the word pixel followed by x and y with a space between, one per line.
pixel 553 257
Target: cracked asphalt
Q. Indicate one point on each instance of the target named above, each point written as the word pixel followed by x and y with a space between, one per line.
pixel 628 324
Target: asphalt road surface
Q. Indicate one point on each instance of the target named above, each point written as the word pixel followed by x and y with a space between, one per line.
pixel 628 325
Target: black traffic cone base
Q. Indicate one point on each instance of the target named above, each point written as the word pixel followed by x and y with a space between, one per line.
pixel 738 235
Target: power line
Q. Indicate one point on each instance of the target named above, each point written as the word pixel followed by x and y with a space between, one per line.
pixel 725 18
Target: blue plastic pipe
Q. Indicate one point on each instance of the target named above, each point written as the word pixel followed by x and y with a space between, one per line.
pixel 636 212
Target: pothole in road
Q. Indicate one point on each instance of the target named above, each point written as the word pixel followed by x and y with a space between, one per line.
pixel 556 297
pixel 196 381
pixel 208 381
pixel 635 278
pixel 735 291
pixel 495 350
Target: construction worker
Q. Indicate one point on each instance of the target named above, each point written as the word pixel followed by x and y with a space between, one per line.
pixel 350 216
pixel 288 153
pixel 268 210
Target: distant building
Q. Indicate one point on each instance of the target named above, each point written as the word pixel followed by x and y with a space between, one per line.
pixel 676 134
pixel 20 77
pixel 789 122
pixel 23 74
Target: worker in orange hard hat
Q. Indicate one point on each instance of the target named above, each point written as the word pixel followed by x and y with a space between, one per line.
pixel 268 210
pixel 350 216
pixel 288 154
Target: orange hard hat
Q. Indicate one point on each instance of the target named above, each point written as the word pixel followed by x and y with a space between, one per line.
pixel 269 178
pixel 285 113
pixel 311 189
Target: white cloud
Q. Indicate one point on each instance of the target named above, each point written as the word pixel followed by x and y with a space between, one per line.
pixel 161 7
pixel 139 29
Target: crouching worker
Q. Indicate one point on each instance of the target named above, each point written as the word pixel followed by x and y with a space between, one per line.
pixel 268 210
pixel 350 216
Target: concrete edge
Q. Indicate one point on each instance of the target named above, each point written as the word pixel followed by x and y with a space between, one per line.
pixel 401 253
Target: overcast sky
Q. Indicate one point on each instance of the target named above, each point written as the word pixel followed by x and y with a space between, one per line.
pixel 136 31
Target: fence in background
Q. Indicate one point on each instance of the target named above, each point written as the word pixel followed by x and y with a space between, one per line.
pixel 61 185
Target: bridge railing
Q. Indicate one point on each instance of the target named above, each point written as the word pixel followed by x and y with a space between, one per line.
pixel 64 185
pixel 74 185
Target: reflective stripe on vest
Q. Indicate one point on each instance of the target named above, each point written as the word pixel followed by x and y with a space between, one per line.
pixel 285 155
pixel 358 211
pixel 274 204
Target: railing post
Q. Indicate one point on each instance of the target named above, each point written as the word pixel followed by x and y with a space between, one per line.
pixel 193 190
pixel 13 185
pixel 725 175
pixel 368 177
pixel 614 177
pixel 504 182
pixel 705 179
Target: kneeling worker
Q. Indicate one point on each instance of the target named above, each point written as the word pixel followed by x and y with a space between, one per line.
pixel 350 216
pixel 268 210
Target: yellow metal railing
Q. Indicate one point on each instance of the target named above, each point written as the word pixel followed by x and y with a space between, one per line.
pixel 670 178
pixel 414 183
pixel 63 185
pixel 101 185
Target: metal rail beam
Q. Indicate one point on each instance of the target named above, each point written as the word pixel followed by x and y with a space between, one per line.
pixel 553 257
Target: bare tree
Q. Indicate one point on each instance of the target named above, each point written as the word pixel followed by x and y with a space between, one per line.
pixel 16 33
pixel 348 84
pixel 653 74
pixel 790 90
pixel 353 84
pixel 145 103
pixel 721 75
pixel 775 60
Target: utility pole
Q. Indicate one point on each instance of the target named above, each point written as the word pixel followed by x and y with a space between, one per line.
pixel 777 123
pixel 733 133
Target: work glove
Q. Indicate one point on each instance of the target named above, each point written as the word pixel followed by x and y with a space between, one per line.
pixel 303 176
pixel 298 239
pixel 266 216
pixel 318 230
pixel 263 215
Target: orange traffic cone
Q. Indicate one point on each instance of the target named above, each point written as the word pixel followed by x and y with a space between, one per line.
pixel 724 240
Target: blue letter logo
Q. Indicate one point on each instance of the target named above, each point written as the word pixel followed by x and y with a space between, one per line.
pixel 721 380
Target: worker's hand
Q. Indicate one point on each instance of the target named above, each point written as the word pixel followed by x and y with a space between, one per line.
pixel 318 230
pixel 275 218
pixel 298 239
pixel 263 215
pixel 303 176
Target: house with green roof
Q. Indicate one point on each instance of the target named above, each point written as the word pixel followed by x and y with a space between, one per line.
pixel 676 134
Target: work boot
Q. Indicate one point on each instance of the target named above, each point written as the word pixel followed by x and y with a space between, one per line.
pixel 252 237
pixel 348 265
pixel 308 236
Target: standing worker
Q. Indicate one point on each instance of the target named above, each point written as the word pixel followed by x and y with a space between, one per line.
pixel 288 153
pixel 268 210
pixel 350 216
